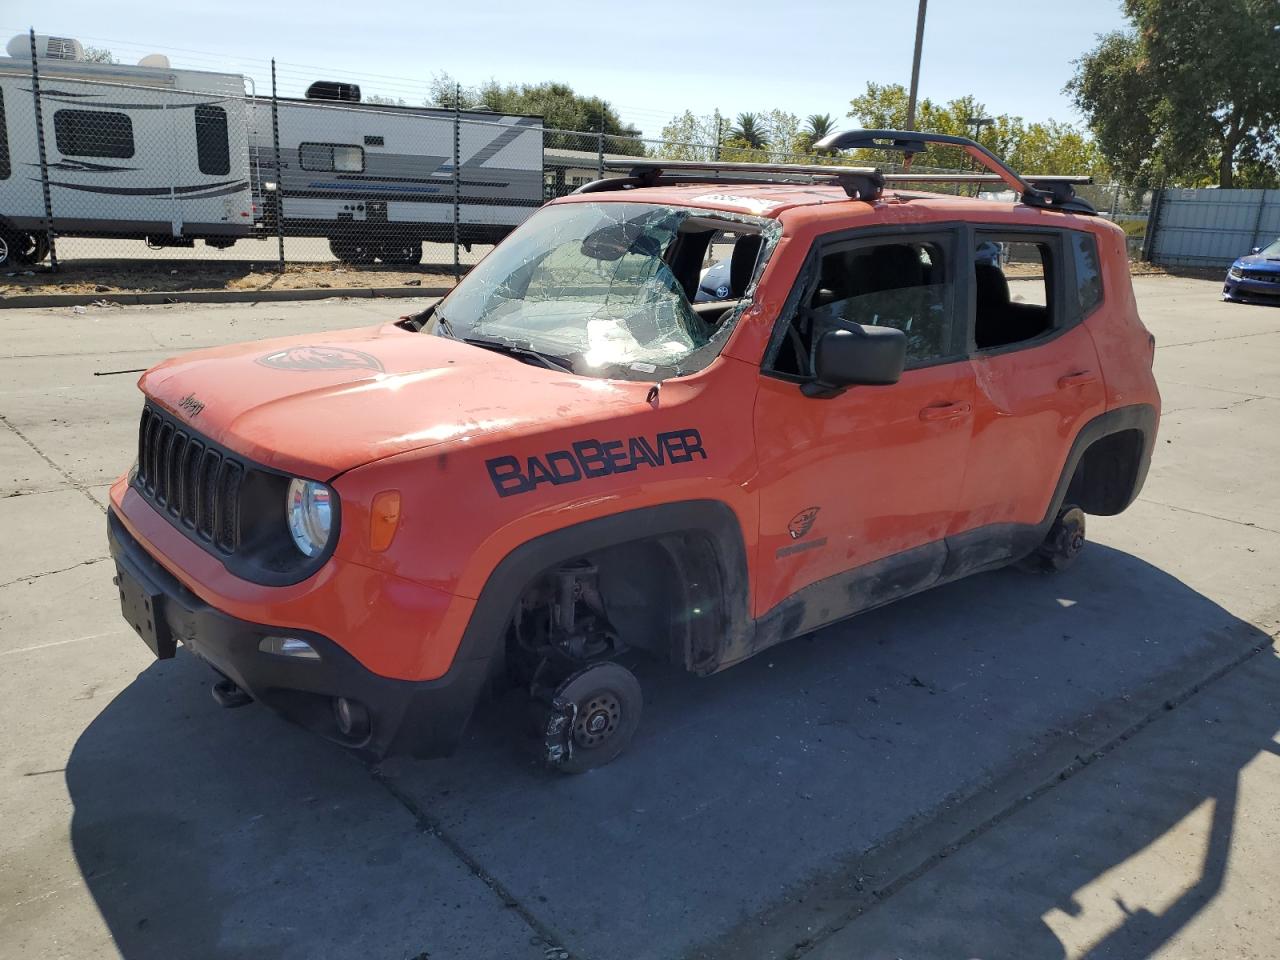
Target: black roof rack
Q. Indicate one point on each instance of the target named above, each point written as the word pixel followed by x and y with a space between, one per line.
pixel 1053 193
pixel 860 183
pixel 1049 192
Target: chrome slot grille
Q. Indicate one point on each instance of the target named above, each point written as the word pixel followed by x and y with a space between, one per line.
pixel 189 481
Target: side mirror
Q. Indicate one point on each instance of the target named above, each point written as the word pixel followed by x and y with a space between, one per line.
pixel 1256 250
pixel 857 354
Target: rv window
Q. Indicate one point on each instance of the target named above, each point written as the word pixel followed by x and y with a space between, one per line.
pixel 93 133
pixel 341 157
pixel 4 142
pixel 213 153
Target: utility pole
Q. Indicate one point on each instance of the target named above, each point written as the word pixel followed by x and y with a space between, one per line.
pixel 915 66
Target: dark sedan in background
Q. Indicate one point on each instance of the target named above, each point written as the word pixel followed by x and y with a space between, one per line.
pixel 1255 278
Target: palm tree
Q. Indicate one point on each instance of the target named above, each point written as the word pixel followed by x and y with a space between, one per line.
pixel 818 126
pixel 750 131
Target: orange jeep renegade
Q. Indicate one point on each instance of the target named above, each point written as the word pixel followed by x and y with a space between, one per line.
pixel 573 460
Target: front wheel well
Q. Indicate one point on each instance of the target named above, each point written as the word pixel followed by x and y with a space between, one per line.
pixel 661 594
pixel 1109 473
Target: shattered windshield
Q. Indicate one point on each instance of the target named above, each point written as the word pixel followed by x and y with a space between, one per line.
pixel 607 289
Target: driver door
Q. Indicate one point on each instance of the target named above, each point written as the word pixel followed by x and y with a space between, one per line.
pixel 857 491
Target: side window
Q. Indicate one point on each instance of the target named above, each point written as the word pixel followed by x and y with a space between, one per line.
pixel 213 152
pixel 907 284
pixel 340 157
pixel 1014 283
pixel 5 169
pixel 1084 251
pixel 93 133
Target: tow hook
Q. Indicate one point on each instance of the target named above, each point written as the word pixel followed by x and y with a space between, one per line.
pixel 557 746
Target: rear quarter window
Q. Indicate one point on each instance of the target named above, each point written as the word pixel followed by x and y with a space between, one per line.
pixel 1084 252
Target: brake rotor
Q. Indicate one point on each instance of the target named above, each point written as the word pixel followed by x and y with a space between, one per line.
pixel 597 720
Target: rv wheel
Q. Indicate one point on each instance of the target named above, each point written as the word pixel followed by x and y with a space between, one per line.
pixel 22 248
pixel 351 251
pixel 407 252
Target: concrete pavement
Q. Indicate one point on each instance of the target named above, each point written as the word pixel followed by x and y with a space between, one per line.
pixel 759 813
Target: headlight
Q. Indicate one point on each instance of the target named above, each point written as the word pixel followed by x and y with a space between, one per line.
pixel 1234 273
pixel 309 507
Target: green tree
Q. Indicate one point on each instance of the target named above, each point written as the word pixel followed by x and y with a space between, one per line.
pixel 1189 92
pixel 383 101
pixel 567 115
pixel 816 126
pixel 1050 147
pixel 99 55
pixel 749 131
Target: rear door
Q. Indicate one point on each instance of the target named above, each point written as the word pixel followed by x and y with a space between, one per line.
pixel 857 491
pixel 1037 381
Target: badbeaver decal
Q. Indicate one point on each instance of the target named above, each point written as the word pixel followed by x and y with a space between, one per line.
pixel 320 358
pixel 593 458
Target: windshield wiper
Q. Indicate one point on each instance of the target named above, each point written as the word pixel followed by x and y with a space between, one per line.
pixel 521 352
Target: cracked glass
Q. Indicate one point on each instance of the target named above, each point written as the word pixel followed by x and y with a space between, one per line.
pixel 609 288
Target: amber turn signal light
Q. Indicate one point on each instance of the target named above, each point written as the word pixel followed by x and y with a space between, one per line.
pixel 384 518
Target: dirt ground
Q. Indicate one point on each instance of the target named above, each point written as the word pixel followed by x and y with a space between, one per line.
pixel 165 276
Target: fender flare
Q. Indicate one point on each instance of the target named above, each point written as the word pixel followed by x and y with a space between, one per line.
pixel 485 632
pixel 1138 416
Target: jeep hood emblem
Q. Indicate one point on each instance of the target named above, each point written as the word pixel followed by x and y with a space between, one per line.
pixel 320 358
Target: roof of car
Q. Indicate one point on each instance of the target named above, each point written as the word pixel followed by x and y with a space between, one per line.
pixel 822 201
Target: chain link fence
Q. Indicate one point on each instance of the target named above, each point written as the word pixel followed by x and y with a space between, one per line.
pixel 154 177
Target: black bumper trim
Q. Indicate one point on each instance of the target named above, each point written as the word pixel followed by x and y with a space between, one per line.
pixel 416 718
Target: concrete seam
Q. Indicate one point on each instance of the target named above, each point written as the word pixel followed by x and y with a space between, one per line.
pixel 430 826
pixel 884 893
pixel 1211 516
pixel 83 488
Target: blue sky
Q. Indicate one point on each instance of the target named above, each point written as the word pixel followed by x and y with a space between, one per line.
pixel 651 60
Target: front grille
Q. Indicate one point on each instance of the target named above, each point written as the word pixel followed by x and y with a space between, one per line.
pixel 189 480
pixel 1265 276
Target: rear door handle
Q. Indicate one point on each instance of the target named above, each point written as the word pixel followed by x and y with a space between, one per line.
pixel 1078 379
pixel 945 411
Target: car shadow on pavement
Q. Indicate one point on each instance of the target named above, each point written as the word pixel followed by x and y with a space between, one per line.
pixel 203 832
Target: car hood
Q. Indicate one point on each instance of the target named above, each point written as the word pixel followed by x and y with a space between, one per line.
pixel 1256 261
pixel 318 405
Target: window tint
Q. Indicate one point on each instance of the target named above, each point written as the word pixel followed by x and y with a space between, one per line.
pixel 93 133
pixel 1088 271
pixel 1013 280
pixel 4 142
pixel 343 158
pixel 906 284
pixel 213 152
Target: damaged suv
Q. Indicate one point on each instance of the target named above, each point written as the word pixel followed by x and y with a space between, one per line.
pixel 572 462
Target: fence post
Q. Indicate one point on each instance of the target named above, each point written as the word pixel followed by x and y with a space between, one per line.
pixel 457 179
pixel 600 151
pixel 719 121
pixel 1153 224
pixel 44 160
pixel 1257 223
pixel 275 143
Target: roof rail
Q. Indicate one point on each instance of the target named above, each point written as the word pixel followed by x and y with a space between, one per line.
pixel 1049 193
pixel 860 183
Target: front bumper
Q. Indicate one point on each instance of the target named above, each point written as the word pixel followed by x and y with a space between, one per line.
pixel 418 718
pixel 1251 291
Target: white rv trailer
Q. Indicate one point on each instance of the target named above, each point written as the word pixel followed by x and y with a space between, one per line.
pixel 379 180
pixel 145 151
pixel 172 156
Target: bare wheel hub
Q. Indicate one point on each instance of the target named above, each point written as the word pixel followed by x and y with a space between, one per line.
pixel 597 719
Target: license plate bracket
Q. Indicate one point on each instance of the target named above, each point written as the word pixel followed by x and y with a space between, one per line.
pixel 143 607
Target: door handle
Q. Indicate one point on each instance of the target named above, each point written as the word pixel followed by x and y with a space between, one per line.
pixel 945 411
pixel 1078 379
